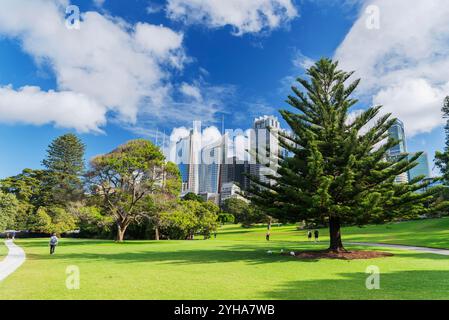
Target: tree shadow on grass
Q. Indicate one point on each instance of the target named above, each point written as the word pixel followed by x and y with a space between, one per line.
pixel 401 285
pixel 190 255
pixel 187 252
pixel 70 242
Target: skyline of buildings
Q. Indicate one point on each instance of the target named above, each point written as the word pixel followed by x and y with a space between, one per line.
pixel 218 171
pixel 221 167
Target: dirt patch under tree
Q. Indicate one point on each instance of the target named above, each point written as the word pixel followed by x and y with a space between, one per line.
pixel 343 255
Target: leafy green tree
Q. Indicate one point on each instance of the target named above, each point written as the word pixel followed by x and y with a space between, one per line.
pixel 40 221
pixel 91 220
pixel 163 198
pixel 61 220
pixel 8 210
pixel 65 162
pixel 179 222
pixel 442 158
pixel 207 218
pixel 245 213
pixel 124 177
pixel 338 172
pixel 190 217
pixel 30 186
pixel 193 197
pixel 32 190
pixel 52 220
pixel 226 218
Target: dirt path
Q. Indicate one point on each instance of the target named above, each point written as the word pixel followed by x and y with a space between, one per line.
pixel 444 252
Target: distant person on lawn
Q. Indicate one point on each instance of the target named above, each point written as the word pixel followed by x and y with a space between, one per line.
pixel 53 243
pixel 309 235
pixel 317 234
pixel 268 236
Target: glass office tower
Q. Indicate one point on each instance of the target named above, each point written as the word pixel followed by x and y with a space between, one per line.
pixel 397 132
pixel 422 169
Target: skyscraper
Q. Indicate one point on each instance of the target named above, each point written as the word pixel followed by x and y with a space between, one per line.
pixel 422 169
pixel 188 156
pixel 397 132
pixel 265 143
pixel 235 171
pixel 210 167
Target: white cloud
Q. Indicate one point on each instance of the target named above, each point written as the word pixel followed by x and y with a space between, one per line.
pixel 403 65
pixel 160 42
pixel 154 8
pixel 120 67
pixel 65 109
pixel 245 16
pixel 191 91
pixel 301 61
pixel 99 3
pixel 421 101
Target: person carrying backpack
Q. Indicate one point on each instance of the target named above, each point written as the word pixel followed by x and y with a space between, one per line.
pixel 53 243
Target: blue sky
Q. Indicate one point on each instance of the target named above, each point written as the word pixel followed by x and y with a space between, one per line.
pixel 141 68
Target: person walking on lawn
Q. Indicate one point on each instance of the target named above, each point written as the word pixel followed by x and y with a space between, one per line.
pixel 53 243
pixel 317 234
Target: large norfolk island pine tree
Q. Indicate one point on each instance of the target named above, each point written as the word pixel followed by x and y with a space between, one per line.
pixel 65 166
pixel 337 171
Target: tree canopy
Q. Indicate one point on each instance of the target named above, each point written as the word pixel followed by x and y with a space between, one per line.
pixel 65 165
pixel 337 171
pixel 124 177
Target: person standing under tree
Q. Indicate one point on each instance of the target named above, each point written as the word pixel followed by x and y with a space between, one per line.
pixel 268 236
pixel 53 243
pixel 317 234
pixel 309 235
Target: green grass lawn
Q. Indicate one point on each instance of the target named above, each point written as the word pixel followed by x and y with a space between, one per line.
pixel 236 265
pixel 429 232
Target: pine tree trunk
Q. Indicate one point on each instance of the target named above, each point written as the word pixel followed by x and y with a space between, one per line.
pixel 335 235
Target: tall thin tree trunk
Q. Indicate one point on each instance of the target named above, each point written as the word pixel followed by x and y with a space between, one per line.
pixel 335 235
pixel 156 231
